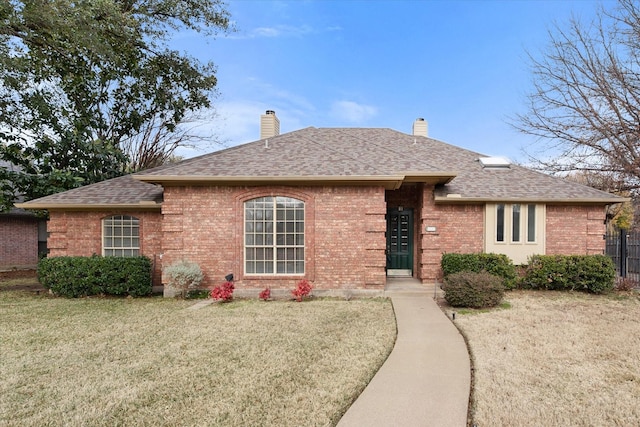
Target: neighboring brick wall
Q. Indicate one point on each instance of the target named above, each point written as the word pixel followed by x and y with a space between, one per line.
pixel 344 234
pixel 575 230
pixel 80 234
pixel 18 242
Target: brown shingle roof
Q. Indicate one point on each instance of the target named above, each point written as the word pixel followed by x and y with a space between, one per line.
pixel 121 192
pixel 334 155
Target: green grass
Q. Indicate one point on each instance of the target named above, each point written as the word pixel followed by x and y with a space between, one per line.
pixel 153 361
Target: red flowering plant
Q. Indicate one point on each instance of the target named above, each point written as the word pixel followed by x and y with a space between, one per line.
pixel 223 292
pixel 303 288
pixel 265 294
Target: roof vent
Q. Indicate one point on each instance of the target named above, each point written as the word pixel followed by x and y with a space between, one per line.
pixel 495 162
pixel 420 127
pixel 269 125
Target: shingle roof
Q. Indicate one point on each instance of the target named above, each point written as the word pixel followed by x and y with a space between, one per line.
pixel 327 155
pixel 121 192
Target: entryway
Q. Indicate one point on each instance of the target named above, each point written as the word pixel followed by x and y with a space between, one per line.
pixel 399 242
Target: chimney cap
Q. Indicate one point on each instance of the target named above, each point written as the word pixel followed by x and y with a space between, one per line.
pixel 420 119
pixel 270 112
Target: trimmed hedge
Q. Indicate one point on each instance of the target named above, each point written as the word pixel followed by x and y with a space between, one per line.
pixel 474 290
pixel 587 273
pixel 497 264
pixel 82 276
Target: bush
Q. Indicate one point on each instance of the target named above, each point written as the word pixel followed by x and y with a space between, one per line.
pixel 303 288
pixel 474 290
pixel 497 264
pixel 626 284
pixel 587 273
pixel 223 292
pixel 184 275
pixel 83 276
pixel 265 294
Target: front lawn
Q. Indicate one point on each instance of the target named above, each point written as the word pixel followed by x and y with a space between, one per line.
pixel 556 359
pixel 153 361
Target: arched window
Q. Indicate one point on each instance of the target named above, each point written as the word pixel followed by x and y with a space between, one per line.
pixel 274 236
pixel 121 236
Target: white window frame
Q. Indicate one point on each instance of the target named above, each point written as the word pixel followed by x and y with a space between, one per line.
pixel 520 250
pixel 274 236
pixel 121 239
pixel 508 210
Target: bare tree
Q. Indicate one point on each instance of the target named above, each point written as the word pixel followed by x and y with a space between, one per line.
pixel 585 104
pixel 157 141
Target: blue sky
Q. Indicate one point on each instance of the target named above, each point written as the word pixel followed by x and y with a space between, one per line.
pixel 461 65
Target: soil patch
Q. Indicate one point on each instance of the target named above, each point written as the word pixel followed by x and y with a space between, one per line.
pixel 20 280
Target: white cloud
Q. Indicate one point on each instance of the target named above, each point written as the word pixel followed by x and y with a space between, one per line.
pixel 275 31
pixel 352 112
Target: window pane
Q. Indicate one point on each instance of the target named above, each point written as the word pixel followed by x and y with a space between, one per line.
pixel 276 226
pixel 515 224
pixel 500 223
pixel 531 223
pixel 120 236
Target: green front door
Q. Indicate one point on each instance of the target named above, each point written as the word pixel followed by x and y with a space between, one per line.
pixel 399 242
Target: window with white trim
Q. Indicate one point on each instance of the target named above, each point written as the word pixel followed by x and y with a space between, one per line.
pixel 522 221
pixel 515 229
pixel 274 236
pixel 121 236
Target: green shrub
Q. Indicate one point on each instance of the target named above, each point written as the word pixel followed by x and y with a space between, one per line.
pixel 82 276
pixel 184 275
pixel 587 273
pixel 474 290
pixel 497 264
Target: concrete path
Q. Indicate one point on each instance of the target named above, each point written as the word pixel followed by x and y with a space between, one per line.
pixel 426 379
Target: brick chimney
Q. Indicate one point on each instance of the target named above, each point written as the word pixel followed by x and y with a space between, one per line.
pixel 269 125
pixel 420 127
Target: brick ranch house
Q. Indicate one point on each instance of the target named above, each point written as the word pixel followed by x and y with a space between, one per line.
pixel 344 208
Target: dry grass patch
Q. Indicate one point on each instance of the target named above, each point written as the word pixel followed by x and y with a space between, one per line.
pixel 556 359
pixel 106 362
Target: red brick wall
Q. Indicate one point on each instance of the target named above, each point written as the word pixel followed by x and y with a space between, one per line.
pixel 458 228
pixel 344 234
pixel 18 242
pixel 80 234
pixel 575 230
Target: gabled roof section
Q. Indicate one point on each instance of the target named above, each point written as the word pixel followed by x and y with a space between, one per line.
pixel 309 156
pixel 118 193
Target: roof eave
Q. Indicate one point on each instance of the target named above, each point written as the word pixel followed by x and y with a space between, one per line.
pixel 144 205
pixel 452 198
pixel 390 182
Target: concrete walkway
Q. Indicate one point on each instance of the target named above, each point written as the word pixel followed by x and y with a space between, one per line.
pixel 426 379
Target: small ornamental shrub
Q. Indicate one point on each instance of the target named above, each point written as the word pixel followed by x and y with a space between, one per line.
pixel 303 288
pixel 184 276
pixel 497 264
pixel 587 273
pixel 626 284
pixel 223 292
pixel 84 276
pixel 265 294
pixel 474 290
